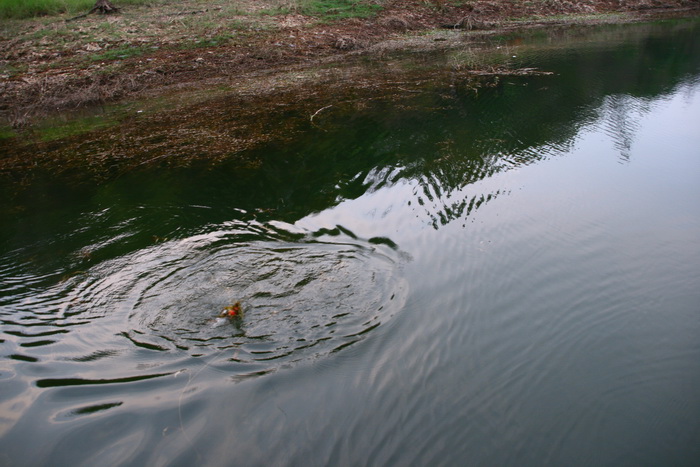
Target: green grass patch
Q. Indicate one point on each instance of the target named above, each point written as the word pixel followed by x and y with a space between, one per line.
pixel 19 9
pixel 7 132
pixel 55 129
pixel 338 9
pixel 119 53
pixel 30 8
pixel 331 9
pixel 8 70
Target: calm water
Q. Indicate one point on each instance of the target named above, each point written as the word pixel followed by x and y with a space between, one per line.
pixel 502 277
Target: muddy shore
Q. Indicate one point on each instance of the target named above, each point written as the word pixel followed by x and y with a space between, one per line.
pixel 50 65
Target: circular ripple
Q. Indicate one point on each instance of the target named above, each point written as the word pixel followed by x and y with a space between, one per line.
pixel 303 294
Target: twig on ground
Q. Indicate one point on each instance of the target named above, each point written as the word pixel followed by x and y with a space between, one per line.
pixel 318 112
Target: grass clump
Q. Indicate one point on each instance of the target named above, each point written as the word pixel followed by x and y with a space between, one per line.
pixel 338 9
pixel 54 129
pixel 18 9
pixel 7 132
pixel 31 8
pixel 119 53
pixel 331 9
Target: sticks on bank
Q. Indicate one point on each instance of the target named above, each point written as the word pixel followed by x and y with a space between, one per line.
pixel 103 7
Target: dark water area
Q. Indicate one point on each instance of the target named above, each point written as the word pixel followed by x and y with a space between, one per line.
pixel 507 275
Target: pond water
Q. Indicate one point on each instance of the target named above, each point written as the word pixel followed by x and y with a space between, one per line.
pixel 501 276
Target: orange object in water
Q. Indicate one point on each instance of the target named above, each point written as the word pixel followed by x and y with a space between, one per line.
pixel 232 311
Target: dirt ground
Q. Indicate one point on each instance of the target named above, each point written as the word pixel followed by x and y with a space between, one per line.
pixel 56 64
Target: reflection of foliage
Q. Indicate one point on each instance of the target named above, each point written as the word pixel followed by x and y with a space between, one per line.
pixel 445 212
pixel 474 135
pixel 622 127
pixel 441 181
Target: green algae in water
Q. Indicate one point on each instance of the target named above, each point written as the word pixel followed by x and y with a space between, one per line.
pixel 52 130
pixel 7 132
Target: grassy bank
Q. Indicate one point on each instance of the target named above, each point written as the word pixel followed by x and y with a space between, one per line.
pixel 49 64
pixel 19 9
pixel 332 9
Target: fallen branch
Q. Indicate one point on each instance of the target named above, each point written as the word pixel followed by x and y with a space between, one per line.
pixel 509 72
pixel 318 112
